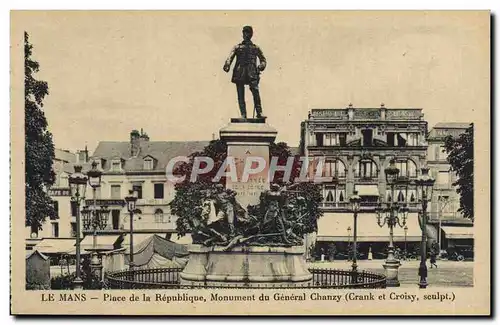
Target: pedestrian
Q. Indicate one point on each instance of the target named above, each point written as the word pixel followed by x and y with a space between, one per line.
pixel 433 258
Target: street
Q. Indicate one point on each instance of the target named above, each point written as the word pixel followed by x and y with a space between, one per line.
pixel 448 273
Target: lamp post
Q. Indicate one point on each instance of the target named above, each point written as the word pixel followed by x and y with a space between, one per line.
pixel 390 215
pixel 406 233
pixel 349 243
pixel 94 176
pixel 78 184
pixel 355 200
pixel 425 184
pixel 131 200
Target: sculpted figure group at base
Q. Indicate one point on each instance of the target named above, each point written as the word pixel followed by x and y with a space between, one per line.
pixel 277 221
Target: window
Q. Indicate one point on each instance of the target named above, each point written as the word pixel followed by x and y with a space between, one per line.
pixel 63 181
pixel 115 214
pixel 159 216
pixel 73 208
pixel 148 164
pixel 443 179
pixel 412 168
pixel 56 207
pixel 319 139
pixel 412 139
pixel 116 192
pixel 343 139
pixel 137 188
pixel 115 166
pixel 55 229
pixel 73 229
pixel 367 137
pixel 335 168
pixel 159 191
pixel 390 139
pixel 395 139
pixel 334 194
pixel 366 169
pixel 442 155
pixel 412 195
pixel 400 195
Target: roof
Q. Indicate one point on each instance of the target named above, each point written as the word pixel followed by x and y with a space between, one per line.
pixel 158 250
pixel 162 151
pixel 451 125
pixel 65 155
pixel 55 245
pixel 36 252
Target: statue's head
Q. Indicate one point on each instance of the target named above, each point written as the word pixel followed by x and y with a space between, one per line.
pixel 219 187
pixel 247 33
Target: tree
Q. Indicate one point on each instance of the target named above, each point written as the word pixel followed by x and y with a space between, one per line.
pixel 187 204
pixel 460 152
pixel 39 147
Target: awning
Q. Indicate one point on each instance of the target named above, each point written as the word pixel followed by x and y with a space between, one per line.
pixel 458 232
pixel 333 227
pixel 103 242
pixel 367 190
pixel 55 245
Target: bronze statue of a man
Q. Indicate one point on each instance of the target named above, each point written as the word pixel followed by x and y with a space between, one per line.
pixel 246 71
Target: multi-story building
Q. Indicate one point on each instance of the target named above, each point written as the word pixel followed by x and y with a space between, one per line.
pixel 62 228
pixel 358 144
pixel 453 228
pixel 140 165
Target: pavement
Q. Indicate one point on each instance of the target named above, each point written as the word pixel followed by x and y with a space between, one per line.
pixel 447 274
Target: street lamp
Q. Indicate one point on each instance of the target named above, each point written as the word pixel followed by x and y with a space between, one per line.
pixel 406 233
pixel 390 215
pixel 425 184
pixel 94 176
pixel 355 200
pixel 349 243
pixel 131 200
pixel 78 184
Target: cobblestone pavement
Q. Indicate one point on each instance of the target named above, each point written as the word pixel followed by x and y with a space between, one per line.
pixel 447 274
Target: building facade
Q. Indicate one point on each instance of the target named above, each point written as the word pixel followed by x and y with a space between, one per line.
pixel 139 165
pixel 63 226
pixel 357 145
pixel 453 229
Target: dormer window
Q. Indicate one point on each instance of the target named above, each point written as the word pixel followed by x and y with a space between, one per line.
pixel 116 165
pixel 148 163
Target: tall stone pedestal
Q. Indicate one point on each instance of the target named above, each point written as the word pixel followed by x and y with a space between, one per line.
pixel 247 138
pixel 252 267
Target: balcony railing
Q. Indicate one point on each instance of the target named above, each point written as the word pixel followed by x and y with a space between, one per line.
pixel 335 204
pixel 153 202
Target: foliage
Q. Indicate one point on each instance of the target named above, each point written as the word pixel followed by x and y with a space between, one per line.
pixel 460 152
pixel 39 148
pixel 62 282
pixel 189 196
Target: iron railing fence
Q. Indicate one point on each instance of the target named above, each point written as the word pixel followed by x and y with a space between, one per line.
pixel 169 278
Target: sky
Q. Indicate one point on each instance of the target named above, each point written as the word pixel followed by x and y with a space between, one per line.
pixel 111 72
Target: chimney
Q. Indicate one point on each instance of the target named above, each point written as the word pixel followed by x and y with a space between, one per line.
pixel 135 143
pixel 82 156
pixel 144 136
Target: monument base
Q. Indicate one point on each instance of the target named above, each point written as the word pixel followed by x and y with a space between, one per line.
pixel 252 266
